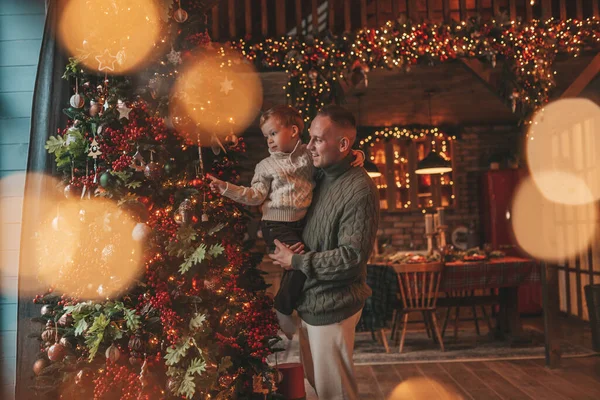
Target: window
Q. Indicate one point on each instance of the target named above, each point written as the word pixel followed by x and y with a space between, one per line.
pixel 396 153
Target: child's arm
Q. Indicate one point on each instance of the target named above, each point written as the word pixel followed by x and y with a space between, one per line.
pixel 253 196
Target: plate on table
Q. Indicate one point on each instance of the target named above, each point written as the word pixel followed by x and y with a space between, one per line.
pixel 417 259
pixel 475 258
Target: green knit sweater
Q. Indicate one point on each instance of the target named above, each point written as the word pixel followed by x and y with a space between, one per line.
pixel 341 225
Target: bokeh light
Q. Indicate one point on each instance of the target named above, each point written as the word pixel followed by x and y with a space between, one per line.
pixel 114 36
pixel 85 249
pixel 551 231
pixel 562 148
pixel 20 226
pixel 423 389
pixel 215 96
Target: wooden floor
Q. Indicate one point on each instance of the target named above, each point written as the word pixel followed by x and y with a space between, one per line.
pixel 579 378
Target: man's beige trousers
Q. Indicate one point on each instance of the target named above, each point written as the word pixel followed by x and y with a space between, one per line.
pixel 326 352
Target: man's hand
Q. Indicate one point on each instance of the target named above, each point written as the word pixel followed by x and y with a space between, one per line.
pixel 359 158
pixel 283 254
pixel 216 185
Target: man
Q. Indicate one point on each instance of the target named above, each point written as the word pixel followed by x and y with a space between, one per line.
pixel 340 230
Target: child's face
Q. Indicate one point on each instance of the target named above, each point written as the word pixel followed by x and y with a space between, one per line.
pixel 280 137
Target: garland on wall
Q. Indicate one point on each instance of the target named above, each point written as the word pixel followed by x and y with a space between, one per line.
pixel 321 70
pixel 398 132
pixel 434 134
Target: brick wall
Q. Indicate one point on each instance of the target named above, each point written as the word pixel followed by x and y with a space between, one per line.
pixel 471 158
pixel 472 153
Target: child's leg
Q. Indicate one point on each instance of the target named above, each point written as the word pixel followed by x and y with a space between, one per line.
pixel 292 281
pixel 287 323
pixel 290 290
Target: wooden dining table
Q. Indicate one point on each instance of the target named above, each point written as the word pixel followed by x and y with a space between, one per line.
pixel 505 274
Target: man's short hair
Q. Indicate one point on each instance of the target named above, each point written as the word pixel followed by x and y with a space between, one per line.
pixel 339 116
pixel 286 115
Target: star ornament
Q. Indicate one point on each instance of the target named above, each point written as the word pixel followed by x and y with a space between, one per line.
pixel 123 110
pixel 106 61
pixel 226 86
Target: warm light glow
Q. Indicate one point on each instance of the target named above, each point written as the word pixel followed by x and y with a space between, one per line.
pixel 110 36
pixel 562 151
pixel 551 231
pixel 85 249
pixel 436 170
pixel 219 95
pixel 423 389
pixel 12 187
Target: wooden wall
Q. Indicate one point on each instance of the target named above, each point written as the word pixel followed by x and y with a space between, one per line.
pixel 21 27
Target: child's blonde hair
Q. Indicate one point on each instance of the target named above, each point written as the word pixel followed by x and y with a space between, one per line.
pixel 287 115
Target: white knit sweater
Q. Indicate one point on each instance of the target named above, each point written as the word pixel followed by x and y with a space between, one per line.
pixel 283 183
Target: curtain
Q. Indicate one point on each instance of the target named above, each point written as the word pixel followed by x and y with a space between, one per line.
pixel 50 92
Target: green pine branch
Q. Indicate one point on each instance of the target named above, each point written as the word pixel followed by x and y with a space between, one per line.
pixel 174 355
pixel 197 257
pixel 95 334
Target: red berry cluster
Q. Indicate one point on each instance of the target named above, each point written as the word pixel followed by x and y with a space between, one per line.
pixel 161 301
pixel 112 141
pixel 158 130
pixel 117 380
pixel 122 163
pixel 260 325
pixel 162 222
pixel 66 300
pixel 39 298
pixel 228 342
pixel 234 255
pixel 84 180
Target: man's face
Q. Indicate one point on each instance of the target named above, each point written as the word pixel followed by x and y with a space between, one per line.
pixel 324 144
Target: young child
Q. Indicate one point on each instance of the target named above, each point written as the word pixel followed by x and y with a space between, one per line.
pixel 283 185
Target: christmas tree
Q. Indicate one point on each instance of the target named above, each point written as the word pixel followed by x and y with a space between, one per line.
pixel 153 291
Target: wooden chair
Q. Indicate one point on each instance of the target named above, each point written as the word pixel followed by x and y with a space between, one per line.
pixel 419 285
pixel 466 298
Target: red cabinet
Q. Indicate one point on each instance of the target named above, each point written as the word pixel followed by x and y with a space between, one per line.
pixel 498 189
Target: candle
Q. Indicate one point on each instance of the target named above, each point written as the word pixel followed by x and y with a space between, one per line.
pixel 428 224
pixel 441 212
pixel 436 221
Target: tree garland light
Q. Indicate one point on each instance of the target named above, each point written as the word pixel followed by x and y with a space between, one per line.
pixel 320 70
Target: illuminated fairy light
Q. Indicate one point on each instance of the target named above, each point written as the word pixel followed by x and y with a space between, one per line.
pixel 529 49
pixel 404 133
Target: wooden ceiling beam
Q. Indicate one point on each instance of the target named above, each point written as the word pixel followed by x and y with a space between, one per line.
pixel 586 76
pixel 484 74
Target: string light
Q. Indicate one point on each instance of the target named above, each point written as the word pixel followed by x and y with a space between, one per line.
pixel 528 48
pixel 405 133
